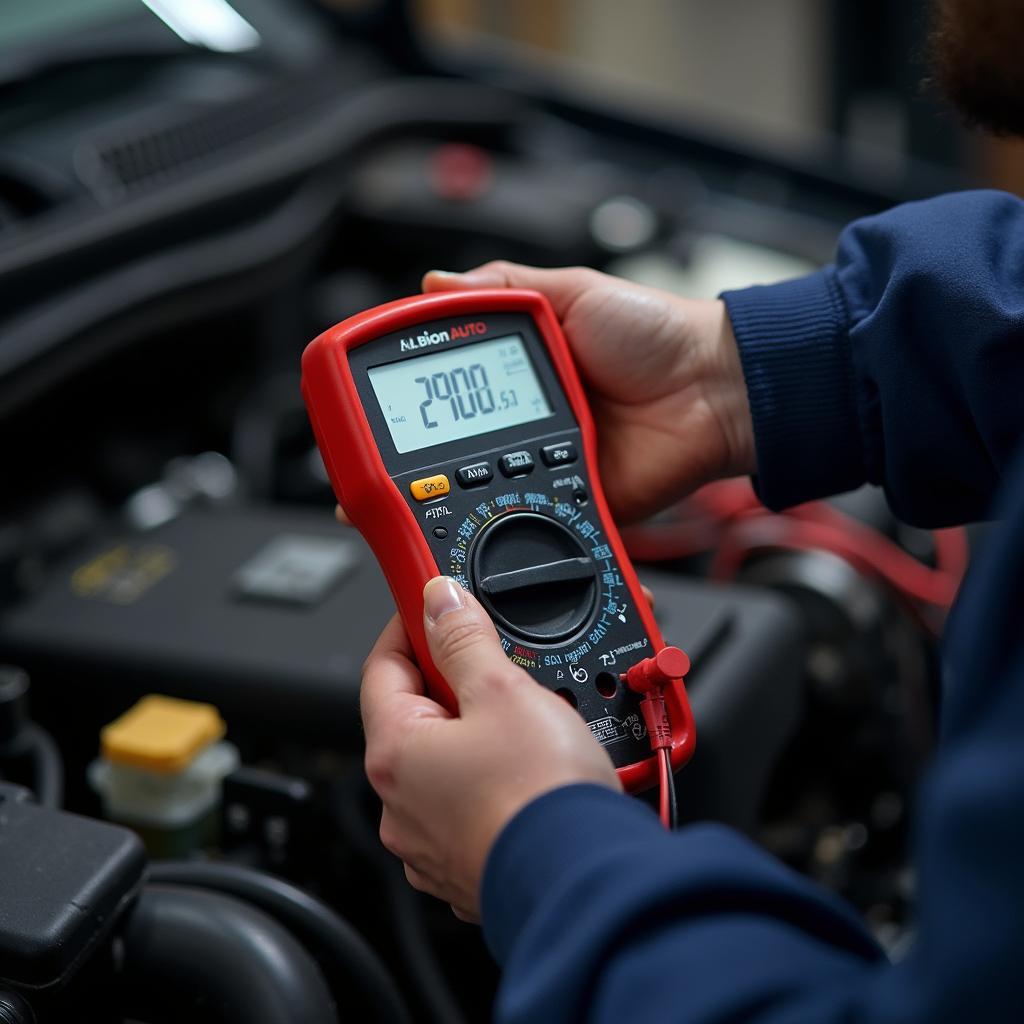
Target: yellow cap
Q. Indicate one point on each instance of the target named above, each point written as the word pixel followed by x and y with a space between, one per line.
pixel 161 734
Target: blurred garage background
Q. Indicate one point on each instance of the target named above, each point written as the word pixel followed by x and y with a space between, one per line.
pixel 190 190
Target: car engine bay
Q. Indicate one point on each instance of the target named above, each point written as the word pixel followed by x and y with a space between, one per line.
pixel 176 222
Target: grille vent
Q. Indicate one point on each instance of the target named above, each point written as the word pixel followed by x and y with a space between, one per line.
pixel 143 160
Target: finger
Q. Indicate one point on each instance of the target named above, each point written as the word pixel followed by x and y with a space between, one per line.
pixel 342 516
pixel 465 915
pixel 561 286
pixel 462 641
pixel 390 675
pixel 648 594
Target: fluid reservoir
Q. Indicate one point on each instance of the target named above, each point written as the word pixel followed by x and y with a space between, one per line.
pixel 160 771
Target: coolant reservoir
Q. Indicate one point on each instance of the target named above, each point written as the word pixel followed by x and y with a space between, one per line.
pixel 160 770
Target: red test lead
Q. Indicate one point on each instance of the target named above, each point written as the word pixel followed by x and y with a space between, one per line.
pixel 649 678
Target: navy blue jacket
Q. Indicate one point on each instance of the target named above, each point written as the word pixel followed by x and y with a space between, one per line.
pixel 902 364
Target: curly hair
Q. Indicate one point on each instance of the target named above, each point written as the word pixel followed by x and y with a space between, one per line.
pixel 977 59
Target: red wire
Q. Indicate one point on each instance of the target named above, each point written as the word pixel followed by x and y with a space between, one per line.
pixel 865 550
pixel 664 781
pixel 661 541
pixel 952 552
pixel 728 518
pixel 727 499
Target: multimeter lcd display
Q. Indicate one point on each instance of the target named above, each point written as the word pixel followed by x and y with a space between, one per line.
pixel 471 390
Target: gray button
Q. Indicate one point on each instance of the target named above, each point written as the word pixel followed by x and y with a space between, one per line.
pixel 476 475
pixel 516 463
pixel 559 454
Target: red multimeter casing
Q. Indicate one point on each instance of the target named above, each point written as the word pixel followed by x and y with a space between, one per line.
pixel 479 388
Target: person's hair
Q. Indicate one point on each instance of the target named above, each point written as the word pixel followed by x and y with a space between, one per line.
pixel 977 59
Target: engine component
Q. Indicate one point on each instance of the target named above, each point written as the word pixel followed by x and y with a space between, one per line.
pixel 66 881
pixel 160 771
pixel 349 963
pixel 200 956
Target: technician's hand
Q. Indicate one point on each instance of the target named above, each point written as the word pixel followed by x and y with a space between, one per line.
pixel 449 785
pixel 663 376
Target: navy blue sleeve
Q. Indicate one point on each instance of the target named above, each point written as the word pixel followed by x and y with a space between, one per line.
pixel 598 914
pixel 899 365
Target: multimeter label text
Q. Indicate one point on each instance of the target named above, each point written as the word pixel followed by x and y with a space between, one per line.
pixel 428 338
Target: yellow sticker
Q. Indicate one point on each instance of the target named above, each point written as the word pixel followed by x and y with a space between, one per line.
pixel 124 573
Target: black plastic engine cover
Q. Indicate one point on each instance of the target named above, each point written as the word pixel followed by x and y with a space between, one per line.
pixel 63 883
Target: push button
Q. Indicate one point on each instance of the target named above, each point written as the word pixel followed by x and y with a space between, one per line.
pixel 516 463
pixel 475 475
pixel 559 454
pixel 430 487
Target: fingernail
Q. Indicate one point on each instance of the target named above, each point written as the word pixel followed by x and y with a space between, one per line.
pixel 477 276
pixel 440 596
pixel 482 276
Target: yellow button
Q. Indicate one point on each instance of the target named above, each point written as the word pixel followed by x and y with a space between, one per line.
pixel 162 734
pixel 430 487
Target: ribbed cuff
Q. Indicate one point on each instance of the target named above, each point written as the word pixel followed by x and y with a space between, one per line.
pixel 543 843
pixel 794 348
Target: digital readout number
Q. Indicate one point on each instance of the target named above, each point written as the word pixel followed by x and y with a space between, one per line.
pixel 467 391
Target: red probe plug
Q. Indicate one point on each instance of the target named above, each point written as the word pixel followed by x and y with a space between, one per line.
pixel 656 673
pixel 649 678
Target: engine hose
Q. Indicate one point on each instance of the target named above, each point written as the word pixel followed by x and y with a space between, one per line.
pixel 190 954
pixel 346 958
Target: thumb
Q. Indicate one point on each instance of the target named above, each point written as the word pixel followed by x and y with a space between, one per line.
pixel 463 643
pixel 561 287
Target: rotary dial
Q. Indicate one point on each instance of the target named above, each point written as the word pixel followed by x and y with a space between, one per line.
pixel 534 577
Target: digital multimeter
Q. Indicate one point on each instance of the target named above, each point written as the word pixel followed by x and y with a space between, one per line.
pixel 459 441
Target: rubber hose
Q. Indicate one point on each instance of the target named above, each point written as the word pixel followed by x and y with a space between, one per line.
pixel 204 957
pixel 346 957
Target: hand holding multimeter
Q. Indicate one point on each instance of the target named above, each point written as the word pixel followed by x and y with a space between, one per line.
pixel 460 442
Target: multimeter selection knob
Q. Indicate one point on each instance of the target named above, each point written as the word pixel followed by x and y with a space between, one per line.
pixel 534 577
